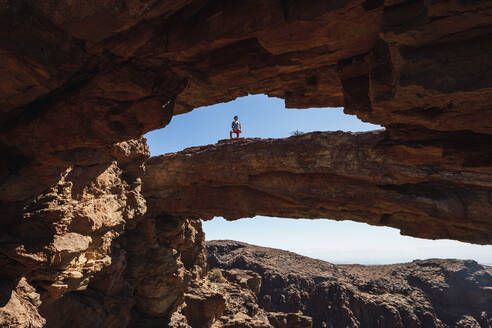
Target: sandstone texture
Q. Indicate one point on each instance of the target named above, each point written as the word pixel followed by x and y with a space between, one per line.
pixel 144 283
pixel 82 76
pixel 19 305
pixel 82 81
pixel 423 293
pixel 336 175
pixel 229 298
pixel 164 254
pixel 65 235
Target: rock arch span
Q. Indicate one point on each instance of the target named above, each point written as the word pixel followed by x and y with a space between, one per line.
pixel 337 175
pixel 80 81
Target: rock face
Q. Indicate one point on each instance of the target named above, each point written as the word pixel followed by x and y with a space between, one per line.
pixel 430 293
pixel 82 77
pixel 151 266
pixel 341 176
pixel 66 263
pixel 83 81
pixel 228 298
pixel 19 305
pixel 65 235
pixel 164 255
pixel 88 75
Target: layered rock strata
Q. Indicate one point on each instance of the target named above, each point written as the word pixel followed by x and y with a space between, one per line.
pixel 65 235
pixel 429 293
pixel 80 80
pixel 363 177
pixel 164 255
pixel 144 283
pixel 82 76
pixel 229 298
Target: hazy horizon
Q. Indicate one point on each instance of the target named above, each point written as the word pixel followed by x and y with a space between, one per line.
pixel 339 242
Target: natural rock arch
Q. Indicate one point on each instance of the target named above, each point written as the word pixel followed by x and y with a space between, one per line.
pixel 335 175
pixel 79 78
pixel 79 81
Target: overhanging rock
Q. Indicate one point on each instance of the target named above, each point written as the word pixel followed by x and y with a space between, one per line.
pixel 425 191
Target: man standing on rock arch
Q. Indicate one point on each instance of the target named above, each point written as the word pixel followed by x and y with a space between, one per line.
pixel 236 127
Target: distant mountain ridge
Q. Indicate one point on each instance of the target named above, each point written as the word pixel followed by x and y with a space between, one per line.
pixel 423 293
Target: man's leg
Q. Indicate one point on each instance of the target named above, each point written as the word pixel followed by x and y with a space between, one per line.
pixel 230 134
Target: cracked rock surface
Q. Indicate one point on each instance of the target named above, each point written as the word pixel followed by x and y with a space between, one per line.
pixel 83 81
pixel 343 176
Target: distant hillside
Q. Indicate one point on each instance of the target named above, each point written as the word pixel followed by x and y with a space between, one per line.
pixel 427 293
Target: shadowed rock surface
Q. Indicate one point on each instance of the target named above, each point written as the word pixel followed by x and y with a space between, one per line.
pixel 335 175
pixel 151 267
pixel 83 81
pixel 66 235
pixel 228 298
pixel 79 77
pixel 423 293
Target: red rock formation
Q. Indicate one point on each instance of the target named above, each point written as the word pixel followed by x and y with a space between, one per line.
pixel 150 268
pixel 341 176
pixel 78 78
pixel 430 293
pixel 86 76
pixel 106 303
pixel 65 235
pixel 164 254
pixel 18 305
pixel 228 298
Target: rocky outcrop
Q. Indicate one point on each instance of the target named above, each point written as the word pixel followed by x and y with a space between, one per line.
pixel 164 255
pixel 65 235
pixel 106 302
pixel 66 262
pixel 144 283
pixel 19 305
pixel 228 298
pixel 81 82
pixel 341 176
pixel 79 77
pixel 429 293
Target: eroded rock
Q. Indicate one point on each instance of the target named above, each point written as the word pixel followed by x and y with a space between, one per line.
pixel 423 293
pixel 91 75
pixel 369 177
pixel 79 78
pixel 151 267
pixel 164 255
pixel 65 235
pixel 221 300
pixel 18 306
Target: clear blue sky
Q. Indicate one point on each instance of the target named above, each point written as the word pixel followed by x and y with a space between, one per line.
pixel 337 242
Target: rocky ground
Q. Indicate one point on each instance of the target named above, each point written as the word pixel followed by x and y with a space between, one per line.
pixel 251 286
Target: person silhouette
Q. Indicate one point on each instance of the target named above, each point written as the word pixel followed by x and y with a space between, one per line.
pixel 235 127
